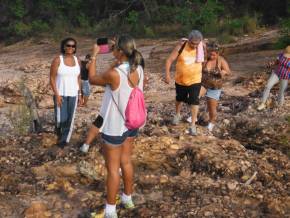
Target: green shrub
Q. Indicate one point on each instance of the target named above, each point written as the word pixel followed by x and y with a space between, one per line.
pixel 225 38
pixel 133 19
pixel 164 15
pixel 149 32
pixel 236 26
pixel 39 26
pixel 250 24
pixel 17 8
pixel 60 28
pixel 19 29
pixel 211 29
pixel 83 21
pixel 284 40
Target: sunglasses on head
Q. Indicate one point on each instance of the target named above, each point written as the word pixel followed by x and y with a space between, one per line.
pixel 70 46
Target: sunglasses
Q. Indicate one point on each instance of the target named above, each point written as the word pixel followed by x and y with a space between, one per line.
pixel 70 46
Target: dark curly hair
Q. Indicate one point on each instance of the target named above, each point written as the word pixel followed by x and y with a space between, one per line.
pixel 63 43
pixel 213 46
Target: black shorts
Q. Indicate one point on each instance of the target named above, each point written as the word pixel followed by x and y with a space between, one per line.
pixel 188 94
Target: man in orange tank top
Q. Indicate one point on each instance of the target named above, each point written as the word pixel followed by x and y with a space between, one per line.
pixel 187 76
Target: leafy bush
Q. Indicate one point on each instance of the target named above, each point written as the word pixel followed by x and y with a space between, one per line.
pixel 225 38
pixel 39 26
pixel 236 26
pixel 149 32
pixel 133 19
pixel 284 40
pixel 83 21
pixel 19 29
pixel 17 8
pixel 250 24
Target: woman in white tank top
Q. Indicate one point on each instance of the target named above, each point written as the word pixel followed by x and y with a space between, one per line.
pixel 118 140
pixel 65 82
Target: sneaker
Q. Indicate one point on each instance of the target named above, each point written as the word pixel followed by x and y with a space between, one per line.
pixel 210 126
pixel 176 119
pixel 193 131
pixel 85 148
pixel 103 215
pixel 128 204
pixel 189 119
pixel 262 106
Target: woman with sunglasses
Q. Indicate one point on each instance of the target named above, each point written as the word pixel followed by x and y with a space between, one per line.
pixel 65 82
pixel 118 140
pixel 215 69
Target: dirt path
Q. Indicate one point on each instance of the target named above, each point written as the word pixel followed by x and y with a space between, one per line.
pixel 176 175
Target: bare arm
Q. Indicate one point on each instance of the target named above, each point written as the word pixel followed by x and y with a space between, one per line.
pixel 272 63
pixel 172 57
pixel 146 79
pixel 79 78
pixel 53 73
pixel 225 69
pixel 108 78
pixel 98 79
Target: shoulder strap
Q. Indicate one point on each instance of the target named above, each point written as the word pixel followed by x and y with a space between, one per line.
pixel 127 75
pixel 117 106
pixel 181 48
pixel 114 98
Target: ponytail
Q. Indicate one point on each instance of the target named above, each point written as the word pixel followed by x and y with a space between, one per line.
pixel 127 45
pixel 136 59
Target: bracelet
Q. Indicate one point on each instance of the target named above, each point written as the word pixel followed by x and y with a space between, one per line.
pixel 93 57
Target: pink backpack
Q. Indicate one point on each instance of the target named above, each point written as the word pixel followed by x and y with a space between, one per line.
pixel 135 113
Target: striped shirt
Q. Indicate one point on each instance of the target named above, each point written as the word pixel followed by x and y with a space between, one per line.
pixel 283 69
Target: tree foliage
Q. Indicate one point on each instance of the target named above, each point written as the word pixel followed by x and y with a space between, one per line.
pixel 20 18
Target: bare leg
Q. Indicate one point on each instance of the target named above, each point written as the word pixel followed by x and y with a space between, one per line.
pixel 194 112
pixel 127 166
pixel 112 158
pixel 212 109
pixel 85 100
pixel 178 105
pixel 93 132
pixel 202 91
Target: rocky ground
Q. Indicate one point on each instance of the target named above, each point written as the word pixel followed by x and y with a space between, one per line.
pixel 242 169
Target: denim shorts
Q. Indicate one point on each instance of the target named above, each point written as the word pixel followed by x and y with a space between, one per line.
pixel 86 88
pixel 213 93
pixel 116 141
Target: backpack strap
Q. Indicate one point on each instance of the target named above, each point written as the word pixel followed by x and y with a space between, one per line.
pixel 181 48
pixel 127 75
pixel 113 96
pixel 117 107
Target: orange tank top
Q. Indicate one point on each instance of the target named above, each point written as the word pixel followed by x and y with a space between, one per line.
pixel 188 71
